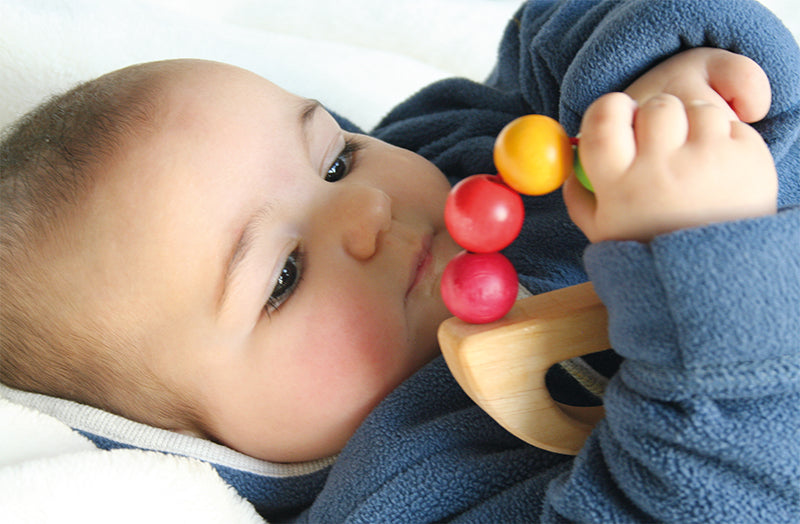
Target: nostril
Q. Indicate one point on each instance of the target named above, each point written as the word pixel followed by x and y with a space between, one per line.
pixel 370 216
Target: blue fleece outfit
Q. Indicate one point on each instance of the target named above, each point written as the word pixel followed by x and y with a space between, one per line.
pixel 702 418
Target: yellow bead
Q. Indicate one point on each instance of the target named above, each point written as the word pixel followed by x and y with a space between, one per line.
pixel 533 155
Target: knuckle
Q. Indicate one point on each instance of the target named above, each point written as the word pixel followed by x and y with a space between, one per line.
pixel 662 101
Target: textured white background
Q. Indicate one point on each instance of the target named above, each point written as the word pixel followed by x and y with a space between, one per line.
pixel 360 57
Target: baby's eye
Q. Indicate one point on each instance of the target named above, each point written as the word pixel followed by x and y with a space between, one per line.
pixel 288 279
pixel 344 163
pixel 339 169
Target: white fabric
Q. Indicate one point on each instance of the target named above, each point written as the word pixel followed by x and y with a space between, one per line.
pixel 359 57
pixel 48 473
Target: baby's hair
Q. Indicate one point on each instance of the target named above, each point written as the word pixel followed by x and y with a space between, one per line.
pixel 50 161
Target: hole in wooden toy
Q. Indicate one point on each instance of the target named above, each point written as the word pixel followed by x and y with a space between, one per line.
pixel 580 382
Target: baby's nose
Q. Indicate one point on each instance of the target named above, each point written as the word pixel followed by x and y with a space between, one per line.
pixel 366 214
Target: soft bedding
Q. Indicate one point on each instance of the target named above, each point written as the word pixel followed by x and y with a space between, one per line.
pixel 359 57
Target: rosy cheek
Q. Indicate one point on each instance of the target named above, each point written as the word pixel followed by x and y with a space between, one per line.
pixel 362 342
pixel 358 354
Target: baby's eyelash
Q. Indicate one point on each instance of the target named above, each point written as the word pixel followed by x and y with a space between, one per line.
pixel 288 281
pixel 353 144
pixel 346 160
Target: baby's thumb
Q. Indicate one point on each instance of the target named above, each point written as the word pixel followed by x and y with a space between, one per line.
pixel 743 84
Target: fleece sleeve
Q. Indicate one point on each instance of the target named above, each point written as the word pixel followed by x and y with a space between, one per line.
pixel 703 417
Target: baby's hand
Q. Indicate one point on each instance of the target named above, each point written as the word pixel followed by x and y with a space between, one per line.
pixel 729 81
pixel 664 166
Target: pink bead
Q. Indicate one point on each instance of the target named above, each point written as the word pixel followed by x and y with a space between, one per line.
pixel 479 287
pixel 483 214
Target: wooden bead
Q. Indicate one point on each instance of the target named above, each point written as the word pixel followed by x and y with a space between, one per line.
pixel 479 287
pixel 533 154
pixel 483 214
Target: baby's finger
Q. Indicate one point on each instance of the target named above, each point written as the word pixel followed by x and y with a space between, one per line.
pixel 607 145
pixel 744 131
pixel 661 124
pixel 707 122
pixel 581 206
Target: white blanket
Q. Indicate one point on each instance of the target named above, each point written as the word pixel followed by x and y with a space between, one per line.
pixel 359 57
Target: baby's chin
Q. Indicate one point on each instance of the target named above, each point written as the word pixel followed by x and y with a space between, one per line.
pixel 431 343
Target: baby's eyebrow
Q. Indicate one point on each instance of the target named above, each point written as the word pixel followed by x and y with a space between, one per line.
pixel 244 242
pixel 307 111
pixel 242 247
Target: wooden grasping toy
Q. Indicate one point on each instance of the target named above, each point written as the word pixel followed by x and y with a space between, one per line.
pixel 497 348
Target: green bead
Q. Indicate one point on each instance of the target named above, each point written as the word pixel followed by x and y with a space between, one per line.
pixel 580 173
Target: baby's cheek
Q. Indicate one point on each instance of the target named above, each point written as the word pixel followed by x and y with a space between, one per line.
pixel 361 354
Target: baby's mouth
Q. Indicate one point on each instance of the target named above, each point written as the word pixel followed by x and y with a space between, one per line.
pixel 421 264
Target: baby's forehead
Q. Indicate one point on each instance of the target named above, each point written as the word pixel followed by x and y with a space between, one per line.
pixel 196 73
pixel 215 96
pixel 169 83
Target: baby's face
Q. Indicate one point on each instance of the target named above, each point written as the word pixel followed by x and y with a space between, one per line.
pixel 285 281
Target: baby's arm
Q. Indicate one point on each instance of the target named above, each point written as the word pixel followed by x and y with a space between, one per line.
pixel 680 157
pixel 701 415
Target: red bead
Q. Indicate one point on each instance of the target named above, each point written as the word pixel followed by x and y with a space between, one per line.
pixel 479 287
pixel 483 214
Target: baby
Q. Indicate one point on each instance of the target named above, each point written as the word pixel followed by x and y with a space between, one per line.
pixel 189 246
pixel 226 261
pixel 168 256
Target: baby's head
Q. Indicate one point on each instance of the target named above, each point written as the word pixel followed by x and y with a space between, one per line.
pixel 188 245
